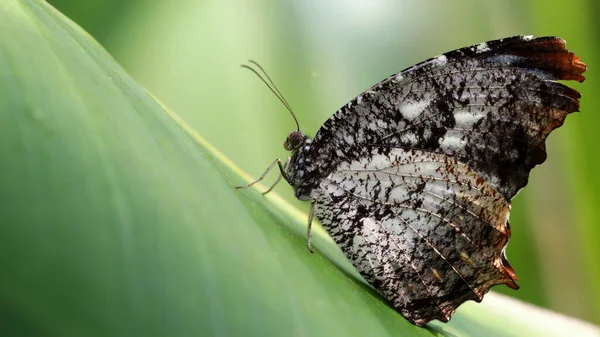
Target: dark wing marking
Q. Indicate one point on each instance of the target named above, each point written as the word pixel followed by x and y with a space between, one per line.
pixel 422 228
pixel 490 106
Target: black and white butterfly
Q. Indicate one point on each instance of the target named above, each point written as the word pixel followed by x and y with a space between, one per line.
pixel 413 178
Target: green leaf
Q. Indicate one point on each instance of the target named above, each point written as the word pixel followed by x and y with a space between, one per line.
pixel 118 220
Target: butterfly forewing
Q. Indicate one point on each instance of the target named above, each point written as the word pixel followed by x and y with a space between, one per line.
pixel 491 107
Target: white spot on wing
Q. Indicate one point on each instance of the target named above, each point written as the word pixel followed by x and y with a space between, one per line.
pixel 440 60
pixel 411 110
pixel 482 47
pixel 409 138
pixel 382 123
pixel 452 142
pixel 466 119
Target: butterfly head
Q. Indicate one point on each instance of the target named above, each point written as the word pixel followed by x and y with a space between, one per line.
pixel 294 141
pixel 298 165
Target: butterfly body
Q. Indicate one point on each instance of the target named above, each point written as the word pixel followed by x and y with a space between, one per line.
pixel 413 178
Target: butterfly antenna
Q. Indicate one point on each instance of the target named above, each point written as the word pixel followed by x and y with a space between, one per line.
pixel 273 88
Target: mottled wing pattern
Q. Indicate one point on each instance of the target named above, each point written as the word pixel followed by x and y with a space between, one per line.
pixel 421 227
pixel 420 169
pixel 490 106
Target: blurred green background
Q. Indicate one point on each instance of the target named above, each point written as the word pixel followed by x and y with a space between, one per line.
pixel 323 53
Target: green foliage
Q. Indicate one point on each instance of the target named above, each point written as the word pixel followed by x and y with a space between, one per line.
pixel 118 220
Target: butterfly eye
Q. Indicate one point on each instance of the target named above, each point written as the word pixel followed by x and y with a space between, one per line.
pixel 286 145
pixel 294 141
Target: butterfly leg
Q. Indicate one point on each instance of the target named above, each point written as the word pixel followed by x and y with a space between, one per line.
pixel 311 215
pixel 281 169
pixel 273 186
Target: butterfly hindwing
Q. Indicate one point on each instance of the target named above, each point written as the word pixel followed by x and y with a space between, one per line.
pixel 422 228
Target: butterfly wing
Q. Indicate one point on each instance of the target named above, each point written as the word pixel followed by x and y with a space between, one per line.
pixel 422 228
pixel 421 169
pixel 490 106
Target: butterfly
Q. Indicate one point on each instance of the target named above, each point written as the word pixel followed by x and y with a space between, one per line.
pixel 413 178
